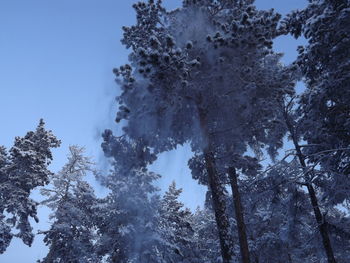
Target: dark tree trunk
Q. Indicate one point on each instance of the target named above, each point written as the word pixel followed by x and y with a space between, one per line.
pixel 321 222
pixel 242 234
pixel 218 194
pixel 217 191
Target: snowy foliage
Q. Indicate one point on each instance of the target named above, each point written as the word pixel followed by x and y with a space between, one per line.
pixel 72 200
pixel 205 74
pixel 322 118
pixel 206 238
pixel 176 228
pixel 216 64
pixel 279 220
pixel 22 170
pixel 324 106
pixel 128 216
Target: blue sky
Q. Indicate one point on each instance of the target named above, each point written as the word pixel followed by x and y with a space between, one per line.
pixel 56 61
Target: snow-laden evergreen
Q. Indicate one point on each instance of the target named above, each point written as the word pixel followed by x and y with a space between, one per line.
pixel 128 216
pixel 201 74
pixel 322 119
pixel 205 74
pixel 324 106
pixel 23 169
pixel 176 228
pixel 71 236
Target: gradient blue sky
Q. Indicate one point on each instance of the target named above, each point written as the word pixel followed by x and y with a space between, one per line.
pixel 56 60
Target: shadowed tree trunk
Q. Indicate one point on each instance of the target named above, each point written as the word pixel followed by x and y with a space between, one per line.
pixel 218 194
pixel 242 234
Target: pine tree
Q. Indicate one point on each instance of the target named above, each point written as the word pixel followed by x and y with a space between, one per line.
pixel 5 230
pixel 280 224
pixel 206 236
pixel 338 222
pixel 176 228
pixel 128 216
pixel 324 106
pixel 309 174
pixel 184 85
pixel 24 169
pixel 71 235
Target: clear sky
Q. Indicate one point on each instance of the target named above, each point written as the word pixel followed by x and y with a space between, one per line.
pixel 56 61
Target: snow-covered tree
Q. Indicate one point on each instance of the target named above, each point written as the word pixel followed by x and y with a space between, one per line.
pixel 72 201
pixel 324 106
pixel 176 228
pixel 5 229
pixel 294 124
pixel 205 236
pixel 22 170
pixel 280 223
pixel 128 217
pixel 205 74
pixel 338 222
pixel 283 226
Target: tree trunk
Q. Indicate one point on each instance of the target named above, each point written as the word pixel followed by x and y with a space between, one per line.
pixel 321 223
pixel 218 194
pixel 242 234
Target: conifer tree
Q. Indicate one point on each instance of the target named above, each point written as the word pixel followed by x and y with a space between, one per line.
pixel 280 223
pixel 324 106
pixel 71 236
pixel 176 227
pixel 128 216
pixel 5 230
pixel 21 171
pixel 206 236
pixel 184 85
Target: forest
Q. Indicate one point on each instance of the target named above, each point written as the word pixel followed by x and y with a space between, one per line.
pixel 275 160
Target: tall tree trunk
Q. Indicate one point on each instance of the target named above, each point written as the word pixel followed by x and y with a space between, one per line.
pixel 321 222
pixel 242 234
pixel 218 194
